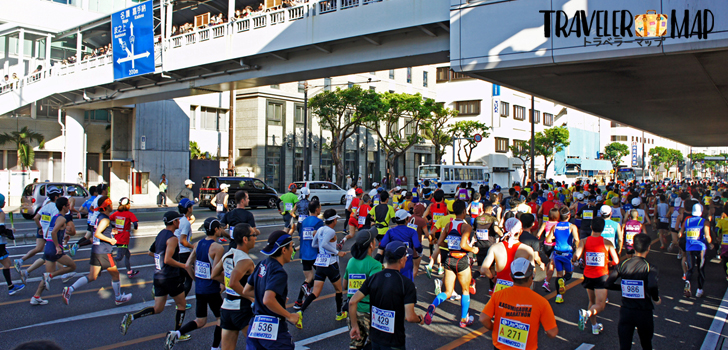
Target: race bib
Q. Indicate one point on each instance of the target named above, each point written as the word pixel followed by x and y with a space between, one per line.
pixel 376 201
pixel 97 241
pixel 513 333
pixel 412 225
pixel 617 219
pixel 202 269
pixel 640 218
pixel 323 260
pixel 502 284
pixel 157 262
pixel 119 223
pixel 693 234
pixel 289 206
pixel 307 234
pixel 594 259
pixel 220 207
pixel 587 214
pixel 633 289
pixel 301 218
pixel 725 239
pixel 228 290
pixel 362 220
pixel 436 216
pixel 545 218
pixel 264 327
pixel 664 219
pixel 383 320
pixel 355 282
pixel 482 234
pixel 462 196
pixel 453 242
pixel 629 238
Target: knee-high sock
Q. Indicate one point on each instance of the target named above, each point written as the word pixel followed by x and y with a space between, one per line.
pixel 117 287
pixel 301 293
pixel 311 297
pixel 216 337
pixel 439 299
pixel 143 313
pixel 83 242
pixel 188 327
pixel 6 273
pixel 178 318
pixel 339 301
pixel 128 260
pixel 79 283
pixel 464 305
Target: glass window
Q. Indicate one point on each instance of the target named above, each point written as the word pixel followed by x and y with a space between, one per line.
pixel 391 74
pixel 447 175
pixel 548 119
pixel 327 84
pixel 42 190
pixel 467 107
pixel 274 114
pixel 75 190
pixel 258 184
pixel 519 112
pixel 505 109
pixel 299 114
pixel 409 75
pixel 442 75
pixel 350 85
pixel 301 87
pixel 193 120
pixel 275 86
pixel 536 116
pixel 272 166
pixel 501 145
pixel 424 78
pixel 28 191
pixel 139 183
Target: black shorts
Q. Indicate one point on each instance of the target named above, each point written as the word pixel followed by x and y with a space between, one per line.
pixel 236 320
pixel 3 252
pixel 663 225
pixel 213 300
pixel 106 261
pixel 169 286
pixel 682 242
pixel 672 229
pixel 331 272
pixel 457 265
pixel 307 264
pixel 595 283
pixel 483 247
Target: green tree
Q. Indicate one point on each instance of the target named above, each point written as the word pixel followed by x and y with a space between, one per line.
pixel 23 140
pixel 666 157
pixel 549 142
pixel 522 151
pixel 614 152
pixel 195 152
pixel 396 119
pixel 434 129
pixel 464 130
pixel 339 112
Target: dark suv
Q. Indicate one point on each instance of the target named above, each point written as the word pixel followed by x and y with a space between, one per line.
pixel 261 195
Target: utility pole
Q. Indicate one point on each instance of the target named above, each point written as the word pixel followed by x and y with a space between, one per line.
pixel 305 132
pixel 231 152
pixel 533 152
pixel 643 156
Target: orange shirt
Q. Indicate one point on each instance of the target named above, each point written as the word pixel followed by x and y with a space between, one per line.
pixel 518 311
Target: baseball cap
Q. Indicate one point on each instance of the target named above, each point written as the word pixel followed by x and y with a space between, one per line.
pixel 605 210
pixel 521 268
pixel 397 188
pixel 189 182
pixel 2 199
pixel 599 198
pixel 224 186
pixel 375 184
pixel 697 210
pixel 125 201
pixel 636 202
pixel 513 225
pixel 359 191
pixel 292 187
pixel 185 203
pixel 396 250
pixel 580 197
pixel 211 224
pixel 53 190
pixel 276 240
pixel 716 199
pixel 362 240
pixel 170 216
pixel 402 214
pixel 305 191
pixel 550 196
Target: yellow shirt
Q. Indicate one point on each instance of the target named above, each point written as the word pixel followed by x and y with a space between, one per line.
pixel 443 221
pixel 722 224
pixel 387 219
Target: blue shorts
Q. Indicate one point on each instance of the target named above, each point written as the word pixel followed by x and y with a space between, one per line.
pixel 284 342
pixel 287 220
pixel 562 261
pixel 39 233
pixel 49 253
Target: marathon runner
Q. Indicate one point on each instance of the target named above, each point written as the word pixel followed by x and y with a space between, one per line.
pixel 101 257
pixel 598 253
pixel 220 201
pixel 123 220
pixel 381 214
pixel 631 227
pixel 500 256
pixel 239 215
pixel 548 247
pixel 5 235
pixel 406 233
pixel 487 231
pixel 392 298
pixel 514 314
pixel 437 211
pixel 353 222
pixel 301 211
pixel 696 231
pixel 184 234
pixel 205 254
pixel 722 231
pixel 359 268
pixel 102 190
pixel 168 278
pixel 612 230
pixel 309 227
pixel 663 220
pixel 288 201
pixel 268 287
pixel 565 235
pixel 42 220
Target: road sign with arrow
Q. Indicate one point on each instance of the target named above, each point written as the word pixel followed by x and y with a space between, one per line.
pixel 133 41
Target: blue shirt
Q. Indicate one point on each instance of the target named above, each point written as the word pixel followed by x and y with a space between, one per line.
pixel 309 226
pixel 562 233
pixel 610 231
pixel 270 275
pixel 205 285
pixel 694 235
pixel 540 200
pixel 408 236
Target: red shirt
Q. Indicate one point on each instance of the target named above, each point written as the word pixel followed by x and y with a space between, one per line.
pixel 362 215
pixel 596 257
pixel 122 221
pixel 354 207
pixel 546 207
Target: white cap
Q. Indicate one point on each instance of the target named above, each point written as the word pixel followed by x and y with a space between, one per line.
pixel 521 268
pixel 189 182
pixel 398 188
pixel 404 193
pixel 223 186
pixel 579 197
pixel 599 198
pixel 513 225
pixel 375 184
pixel 636 202
pixel 697 209
pixel 605 210
pixel 402 215
pixel 305 191
pixel 331 218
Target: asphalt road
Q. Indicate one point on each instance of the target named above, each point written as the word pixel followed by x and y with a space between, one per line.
pixel 92 320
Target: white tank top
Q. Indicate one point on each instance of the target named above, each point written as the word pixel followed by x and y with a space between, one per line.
pixel 228 264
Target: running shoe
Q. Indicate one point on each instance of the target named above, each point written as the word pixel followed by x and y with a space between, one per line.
pixel 185 337
pixel 546 286
pixel 306 289
pixel 726 268
pixel 429 314
pixel 438 286
pixel 440 270
pixel 18 263
pixel 223 240
pixel 67 277
pixel 66 295
pixel 684 277
pixel 679 256
pixel 598 328
pixel 123 298
pixel 299 323
pixel 16 288
pixel 662 247
pixel 455 296
pixel 187 306
pixel 172 337
pixel 464 322
pixel 428 270
pixel 341 316
pixel 126 323
pixel 699 293
pixel 24 276
pixel 686 291
pixel 472 287
pixel 37 301
pixel 562 288
pixel 47 280
pixel 559 299
pixel 73 249
pixel 132 273
pixel 583 316
pixel 297 305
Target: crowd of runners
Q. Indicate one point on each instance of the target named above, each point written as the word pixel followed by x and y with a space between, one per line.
pixel 600 233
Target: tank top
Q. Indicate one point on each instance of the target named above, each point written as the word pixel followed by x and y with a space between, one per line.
pixel 454 238
pixel 579 206
pixel 233 300
pixel 162 270
pixel 662 209
pixel 549 225
pixel 631 228
pixel 463 194
pixel 694 235
pixel 439 209
pixel 610 231
pixel 616 215
pixel 562 233
pixel 596 255
pixel 475 209
pixel 651 206
pixel 673 218
pixel 219 199
pixel 482 227
pixel 505 274
pixel 61 233
pixel 641 215
pixel 99 246
pixel 302 209
pixel 204 284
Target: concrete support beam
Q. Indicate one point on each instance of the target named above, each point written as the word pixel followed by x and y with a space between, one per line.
pixel 75 143
pixel 21 52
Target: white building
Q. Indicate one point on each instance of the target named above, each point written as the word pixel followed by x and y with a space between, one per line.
pixel 637 140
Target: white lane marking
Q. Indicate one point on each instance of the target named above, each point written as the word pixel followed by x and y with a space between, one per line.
pixel 716 328
pixel 301 344
pixel 585 346
pixel 78 274
pixel 109 312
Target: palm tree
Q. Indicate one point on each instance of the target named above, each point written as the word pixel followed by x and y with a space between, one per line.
pixel 195 152
pixel 23 140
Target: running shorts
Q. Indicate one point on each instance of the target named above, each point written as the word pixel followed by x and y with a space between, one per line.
pixel 562 261
pixel 105 261
pixel 595 283
pixel 663 226
pixel 213 300
pixel 49 252
pixel 307 264
pixel 331 272
pixel 236 320
pixel 168 286
pixel 3 252
pixel 457 265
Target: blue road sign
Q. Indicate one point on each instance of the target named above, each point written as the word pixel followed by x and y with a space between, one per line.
pixel 496 90
pixel 634 155
pixel 133 41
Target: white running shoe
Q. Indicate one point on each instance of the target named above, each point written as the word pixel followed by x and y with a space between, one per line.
pixel 67 277
pixel 438 286
pixel 47 280
pixel 699 293
pixel 38 301
pixel 679 256
pixel 24 276
pixel 455 296
pixel 123 298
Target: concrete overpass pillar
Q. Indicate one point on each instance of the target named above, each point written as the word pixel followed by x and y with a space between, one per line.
pixel 21 52
pixel 75 144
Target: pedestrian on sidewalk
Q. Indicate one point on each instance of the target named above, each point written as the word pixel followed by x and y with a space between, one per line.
pixel 162 196
pixel 186 192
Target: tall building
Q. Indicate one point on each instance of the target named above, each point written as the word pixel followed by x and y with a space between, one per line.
pixel 637 141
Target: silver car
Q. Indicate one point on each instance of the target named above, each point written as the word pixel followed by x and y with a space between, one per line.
pixel 325 192
pixel 34 195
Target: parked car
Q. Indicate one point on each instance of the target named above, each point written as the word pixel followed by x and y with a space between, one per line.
pixel 261 195
pixel 326 192
pixel 34 195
